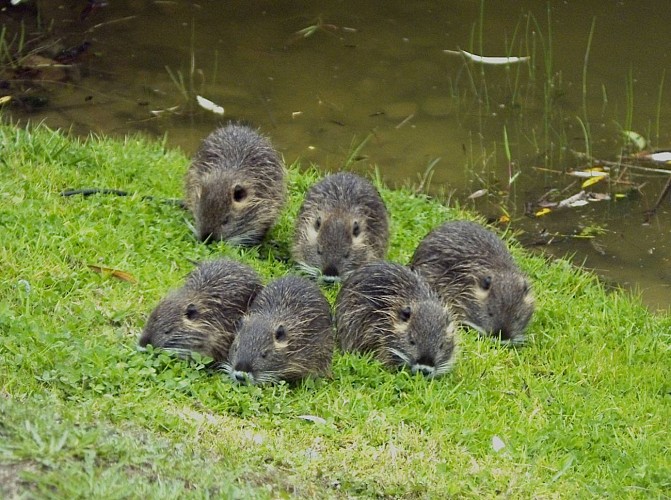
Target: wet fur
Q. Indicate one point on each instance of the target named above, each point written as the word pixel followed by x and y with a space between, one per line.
pixel 235 187
pixel 472 270
pixel 202 315
pixel 342 225
pixel 389 310
pixel 259 355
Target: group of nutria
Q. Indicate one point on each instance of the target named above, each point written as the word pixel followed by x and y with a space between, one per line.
pixel 406 316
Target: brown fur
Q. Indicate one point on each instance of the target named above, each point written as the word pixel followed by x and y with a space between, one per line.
pixel 235 187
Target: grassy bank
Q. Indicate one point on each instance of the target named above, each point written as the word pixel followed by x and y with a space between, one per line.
pixel 583 410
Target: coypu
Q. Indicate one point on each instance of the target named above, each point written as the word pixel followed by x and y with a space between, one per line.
pixel 388 309
pixel 287 334
pixel 342 225
pixel 202 315
pixel 235 187
pixel 472 271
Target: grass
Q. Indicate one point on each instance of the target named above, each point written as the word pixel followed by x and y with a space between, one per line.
pixel 583 410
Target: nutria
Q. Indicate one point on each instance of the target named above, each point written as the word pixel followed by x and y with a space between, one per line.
pixel 202 315
pixel 287 334
pixel 342 225
pixel 391 311
pixel 235 187
pixel 472 271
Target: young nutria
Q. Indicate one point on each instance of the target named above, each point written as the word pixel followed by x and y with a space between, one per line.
pixel 389 310
pixel 342 225
pixel 473 272
pixel 202 315
pixel 235 187
pixel 286 335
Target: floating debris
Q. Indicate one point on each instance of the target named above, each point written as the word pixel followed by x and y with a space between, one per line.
pixel 494 61
pixel 209 105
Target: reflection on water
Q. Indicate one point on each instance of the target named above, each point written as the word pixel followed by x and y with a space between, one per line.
pixel 323 77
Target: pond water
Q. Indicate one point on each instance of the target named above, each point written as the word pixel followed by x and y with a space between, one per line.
pixel 365 84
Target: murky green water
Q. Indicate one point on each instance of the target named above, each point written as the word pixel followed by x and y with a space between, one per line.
pixel 377 72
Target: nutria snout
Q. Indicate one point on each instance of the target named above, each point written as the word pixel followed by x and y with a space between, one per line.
pixel 387 309
pixel 342 225
pixel 474 273
pixel 286 334
pixel 235 187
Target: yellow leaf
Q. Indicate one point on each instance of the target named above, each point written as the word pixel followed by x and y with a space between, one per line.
pixel 120 275
pixel 592 180
pixel 504 219
pixel 5 99
pixel 542 212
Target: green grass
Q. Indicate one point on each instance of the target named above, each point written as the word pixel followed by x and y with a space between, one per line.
pixel 583 409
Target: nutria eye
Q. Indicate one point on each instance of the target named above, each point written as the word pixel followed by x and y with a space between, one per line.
pixel 405 313
pixel 191 311
pixel 319 250
pixel 411 340
pixel 486 283
pixel 356 229
pixel 280 333
pixel 264 354
pixel 318 223
pixel 239 193
pixel 225 220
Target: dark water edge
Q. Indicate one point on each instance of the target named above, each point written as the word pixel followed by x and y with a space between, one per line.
pixel 379 75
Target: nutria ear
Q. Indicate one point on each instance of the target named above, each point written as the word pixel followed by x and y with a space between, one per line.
pixel 239 193
pixel 191 312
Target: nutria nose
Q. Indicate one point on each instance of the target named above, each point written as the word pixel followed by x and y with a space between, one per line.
pixel 426 360
pixel 206 237
pixel 330 270
pixel 240 377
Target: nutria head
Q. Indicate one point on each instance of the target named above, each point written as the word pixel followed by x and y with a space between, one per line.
pixel 235 187
pixel 202 315
pixel 389 310
pixel 287 335
pixel 342 225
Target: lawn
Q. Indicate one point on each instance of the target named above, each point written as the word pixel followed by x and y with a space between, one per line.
pixel 582 410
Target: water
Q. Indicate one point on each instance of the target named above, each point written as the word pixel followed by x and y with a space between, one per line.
pixel 368 84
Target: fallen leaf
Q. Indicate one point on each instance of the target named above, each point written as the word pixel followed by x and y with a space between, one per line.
pixel 573 201
pixel 477 194
pixel 659 156
pixel 588 174
pixel 5 99
pixel 635 138
pixel 542 212
pixel 487 59
pixel 592 180
pixel 497 444
pixel 504 219
pixel 598 196
pixel 209 105
pixel 115 273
